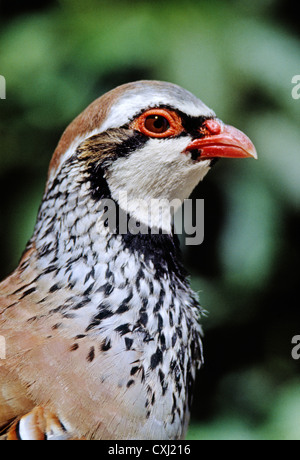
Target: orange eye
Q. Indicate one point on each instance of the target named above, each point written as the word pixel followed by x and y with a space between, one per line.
pixel 158 123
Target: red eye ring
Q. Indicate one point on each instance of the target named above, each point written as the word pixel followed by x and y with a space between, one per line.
pixel 172 125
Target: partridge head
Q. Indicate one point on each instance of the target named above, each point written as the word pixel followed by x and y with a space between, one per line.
pixel 101 327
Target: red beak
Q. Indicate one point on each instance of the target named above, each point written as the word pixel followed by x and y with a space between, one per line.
pixel 222 141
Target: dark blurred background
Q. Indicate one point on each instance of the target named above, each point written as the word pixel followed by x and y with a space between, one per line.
pixel 239 57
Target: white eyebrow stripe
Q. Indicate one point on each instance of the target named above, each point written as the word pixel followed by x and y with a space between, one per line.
pixel 131 104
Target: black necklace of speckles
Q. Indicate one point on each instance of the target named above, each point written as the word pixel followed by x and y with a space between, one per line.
pixel 160 248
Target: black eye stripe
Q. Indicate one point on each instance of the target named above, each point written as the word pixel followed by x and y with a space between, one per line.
pixel 192 124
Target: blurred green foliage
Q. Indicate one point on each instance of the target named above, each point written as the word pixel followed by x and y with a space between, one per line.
pixel 239 57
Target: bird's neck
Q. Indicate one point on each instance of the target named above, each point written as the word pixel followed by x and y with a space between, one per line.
pixel 81 232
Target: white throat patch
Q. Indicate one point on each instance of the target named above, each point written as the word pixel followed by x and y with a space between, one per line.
pixel 152 182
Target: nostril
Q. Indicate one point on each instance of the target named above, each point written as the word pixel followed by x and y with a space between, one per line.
pixel 213 126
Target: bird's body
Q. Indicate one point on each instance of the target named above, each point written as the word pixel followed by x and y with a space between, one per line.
pixel 101 326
